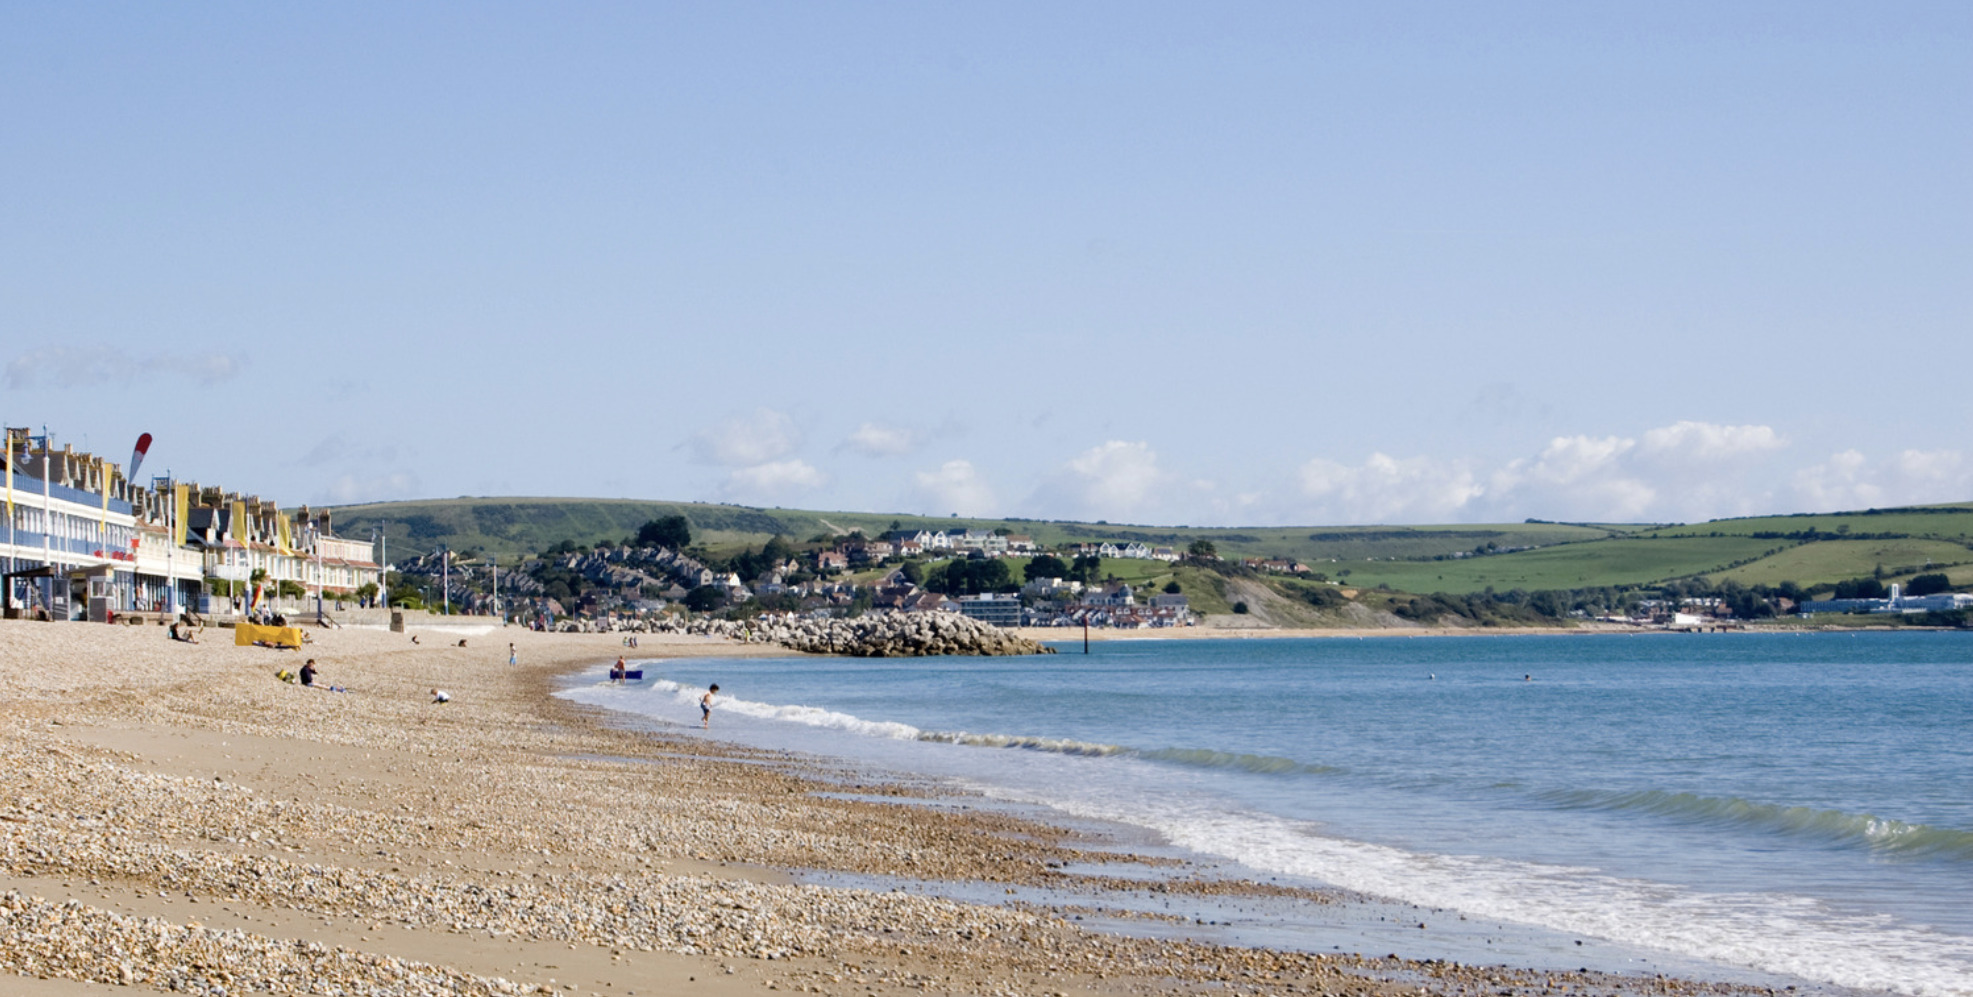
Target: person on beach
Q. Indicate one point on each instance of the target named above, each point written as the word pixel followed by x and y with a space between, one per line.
pixel 441 696
pixel 617 670
pixel 308 672
pixel 705 707
pixel 513 656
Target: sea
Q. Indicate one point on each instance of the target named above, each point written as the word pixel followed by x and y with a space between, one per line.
pixel 1783 809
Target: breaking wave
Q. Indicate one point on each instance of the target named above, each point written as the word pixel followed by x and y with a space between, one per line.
pixel 1880 834
pixel 687 698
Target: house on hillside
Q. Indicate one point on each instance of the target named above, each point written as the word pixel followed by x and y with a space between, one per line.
pixel 1052 588
pixel 1112 595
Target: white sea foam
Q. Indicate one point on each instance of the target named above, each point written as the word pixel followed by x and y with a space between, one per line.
pixel 1774 933
pixel 686 699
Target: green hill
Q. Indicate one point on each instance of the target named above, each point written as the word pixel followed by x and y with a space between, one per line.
pixel 511 526
pixel 1810 550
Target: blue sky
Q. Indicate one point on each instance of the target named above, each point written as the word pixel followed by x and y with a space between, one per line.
pixel 1169 263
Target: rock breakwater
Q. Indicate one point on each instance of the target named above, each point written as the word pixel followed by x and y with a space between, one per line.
pixel 886 635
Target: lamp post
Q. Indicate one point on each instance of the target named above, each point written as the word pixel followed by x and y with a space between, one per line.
pixel 47 519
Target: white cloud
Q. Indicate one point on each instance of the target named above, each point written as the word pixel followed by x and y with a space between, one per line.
pixel 955 487
pixel 773 482
pixel 875 439
pixel 763 437
pixel 1710 441
pixel 1848 480
pixel 88 366
pixel 1687 470
pixel 1574 477
pixel 1117 480
pixel 1384 489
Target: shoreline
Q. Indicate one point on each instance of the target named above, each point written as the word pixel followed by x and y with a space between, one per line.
pixel 508 841
pixel 1063 635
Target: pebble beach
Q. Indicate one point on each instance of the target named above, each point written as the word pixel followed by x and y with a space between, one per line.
pixel 174 817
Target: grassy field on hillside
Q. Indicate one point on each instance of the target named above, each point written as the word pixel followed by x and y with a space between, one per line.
pixel 1934 522
pixel 1834 560
pixel 520 525
pixel 1608 562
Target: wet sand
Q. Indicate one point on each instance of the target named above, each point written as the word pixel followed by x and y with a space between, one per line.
pixel 174 817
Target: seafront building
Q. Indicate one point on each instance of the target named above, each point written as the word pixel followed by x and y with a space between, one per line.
pixel 81 541
pixel 1896 602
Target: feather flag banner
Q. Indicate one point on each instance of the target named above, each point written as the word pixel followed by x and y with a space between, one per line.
pixel 181 500
pixel 137 456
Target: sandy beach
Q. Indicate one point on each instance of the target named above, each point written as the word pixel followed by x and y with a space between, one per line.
pixel 174 817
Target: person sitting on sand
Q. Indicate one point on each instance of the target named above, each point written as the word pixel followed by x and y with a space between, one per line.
pixel 441 696
pixel 308 672
pixel 705 707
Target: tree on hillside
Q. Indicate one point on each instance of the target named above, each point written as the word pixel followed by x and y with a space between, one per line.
pixel 665 531
pixel 1931 584
pixel 1203 549
pixel 1046 566
pixel 778 549
pixel 1860 588
pixel 971 577
pixel 1088 569
pixel 703 599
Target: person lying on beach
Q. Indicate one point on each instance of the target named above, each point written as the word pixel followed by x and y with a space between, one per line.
pixel 183 634
pixel 705 707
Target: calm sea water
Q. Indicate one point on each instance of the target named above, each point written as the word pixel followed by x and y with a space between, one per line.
pixel 1792 804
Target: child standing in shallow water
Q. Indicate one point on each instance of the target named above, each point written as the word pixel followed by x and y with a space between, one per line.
pixel 705 707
